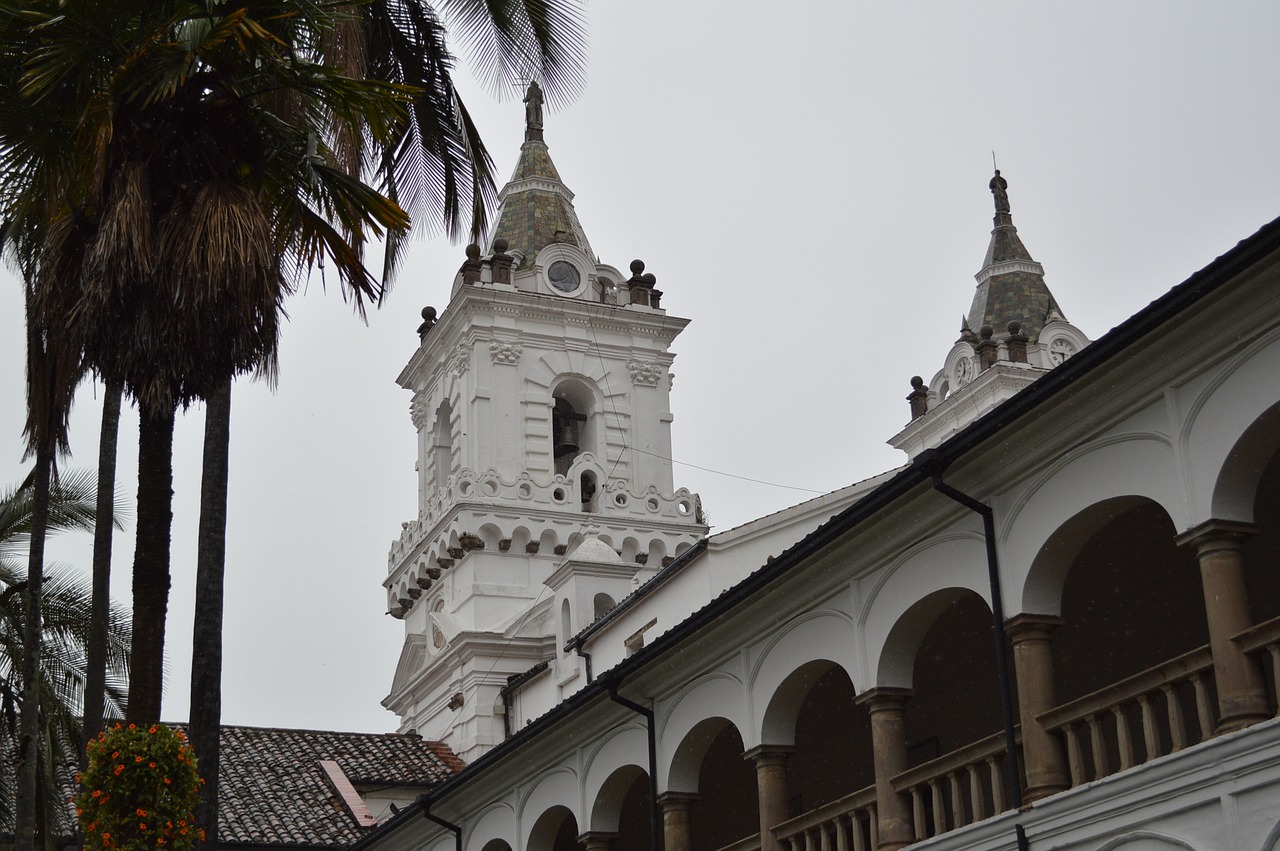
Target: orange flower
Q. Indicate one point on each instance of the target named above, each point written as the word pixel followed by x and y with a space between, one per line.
pixel 151 765
pixel 154 729
pixel 97 792
pixel 115 754
pixel 142 813
pixel 141 826
pixel 137 759
pixel 167 781
pixel 119 768
pixel 133 726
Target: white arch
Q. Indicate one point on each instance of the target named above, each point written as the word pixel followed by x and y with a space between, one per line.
pixel 717 695
pixel 1129 465
pixel 954 561
pixel 822 635
pixel 628 746
pixel 1238 395
pixel 497 821
pixel 557 787
pixel 1145 840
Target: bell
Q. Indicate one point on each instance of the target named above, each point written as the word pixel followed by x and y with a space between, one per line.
pixel 566 438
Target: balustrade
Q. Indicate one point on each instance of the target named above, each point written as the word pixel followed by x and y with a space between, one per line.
pixel 1263 643
pixel 958 788
pixel 845 824
pixel 1148 709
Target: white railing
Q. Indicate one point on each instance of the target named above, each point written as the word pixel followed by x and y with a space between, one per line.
pixel 958 788
pixel 845 824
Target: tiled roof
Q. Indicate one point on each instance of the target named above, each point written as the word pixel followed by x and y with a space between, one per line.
pixel 273 790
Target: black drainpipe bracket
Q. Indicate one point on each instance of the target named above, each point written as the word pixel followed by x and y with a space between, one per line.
pixel 425 803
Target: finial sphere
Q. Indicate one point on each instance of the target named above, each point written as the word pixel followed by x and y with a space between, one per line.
pixel 649 278
pixel 428 313
pixel 500 245
pixel 473 252
pixel 917 382
pixel 637 266
pixel 1014 326
pixel 986 332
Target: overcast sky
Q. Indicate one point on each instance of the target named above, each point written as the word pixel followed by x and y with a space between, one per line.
pixel 808 181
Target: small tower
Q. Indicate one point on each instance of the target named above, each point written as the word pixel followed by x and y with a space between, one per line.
pixel 1014 333
pixel 541 398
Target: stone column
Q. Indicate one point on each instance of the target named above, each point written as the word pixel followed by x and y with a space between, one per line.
pixel 889 752
pixel 676 808
pixel 1242 696
pixel 597 840
pixel 771 786
pixel 1042 756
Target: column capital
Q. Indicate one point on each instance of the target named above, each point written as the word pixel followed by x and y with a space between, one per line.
pixel 1213 535
pixel 597 840
pixel 770 754
pixel 677 800
pixel 1027 626
pixel 885 697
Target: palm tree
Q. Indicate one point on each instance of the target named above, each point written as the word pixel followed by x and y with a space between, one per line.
pixel 217 124
pixel 65 633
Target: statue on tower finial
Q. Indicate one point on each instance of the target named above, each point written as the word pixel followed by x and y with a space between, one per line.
pixel 533 112
pixel 999 188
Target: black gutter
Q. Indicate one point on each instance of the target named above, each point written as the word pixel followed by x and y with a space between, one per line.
pixel 424 801
pixel 927 461
pixel 655 820
pixel 1221 271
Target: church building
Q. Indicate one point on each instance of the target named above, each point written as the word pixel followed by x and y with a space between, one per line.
pixel 1055 626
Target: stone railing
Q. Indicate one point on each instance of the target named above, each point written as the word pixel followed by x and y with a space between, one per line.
pixel 1148 709
pixel 1263 642
pixel 958 788
pixel 845 824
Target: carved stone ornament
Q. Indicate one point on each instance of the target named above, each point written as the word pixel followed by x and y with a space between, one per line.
pixel 505 353
pixel 418 412
pixel 647 374
pixel 459 359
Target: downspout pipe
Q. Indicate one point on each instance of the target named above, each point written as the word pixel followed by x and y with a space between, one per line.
pixel 655 819
pixel 935 467
pixel 425 803
pixel 577 648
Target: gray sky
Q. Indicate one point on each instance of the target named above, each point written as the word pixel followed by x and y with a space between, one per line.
pixel 808 181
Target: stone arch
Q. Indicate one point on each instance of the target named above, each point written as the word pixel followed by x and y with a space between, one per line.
pixel 494 829
pixel 1042 591
pixel 718 697
pixel 680 547
pixel 1139 464
pixel 1145 840
pixel 794 658
pixel 946 564
pixel 1241 393
pixel 606 809
pixel 548 541
pixel 491 535
pixel 658 551
pixel 624 747
pixel 898 655
pixel 520 538
pixel 630 548
pixel 601 605
pixel 555 829
pixel 553 797
pixel 727 807
pixel 1236 487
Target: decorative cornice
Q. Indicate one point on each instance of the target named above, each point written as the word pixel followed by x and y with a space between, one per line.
pixel 1008 266
pixel 507 353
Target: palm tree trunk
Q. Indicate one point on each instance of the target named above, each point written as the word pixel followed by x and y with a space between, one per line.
pixel 151 565
pixel 103 528
pixel 206 649
pixel 29 727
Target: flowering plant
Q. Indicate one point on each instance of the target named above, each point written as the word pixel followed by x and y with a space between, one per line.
pixel 139 791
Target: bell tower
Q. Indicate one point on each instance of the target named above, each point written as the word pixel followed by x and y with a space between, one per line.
pixel 541 400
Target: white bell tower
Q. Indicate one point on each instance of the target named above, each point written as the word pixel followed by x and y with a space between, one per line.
pixel 541 399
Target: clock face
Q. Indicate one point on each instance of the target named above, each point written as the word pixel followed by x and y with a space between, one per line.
pixel 564 276
pixel 1059 351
